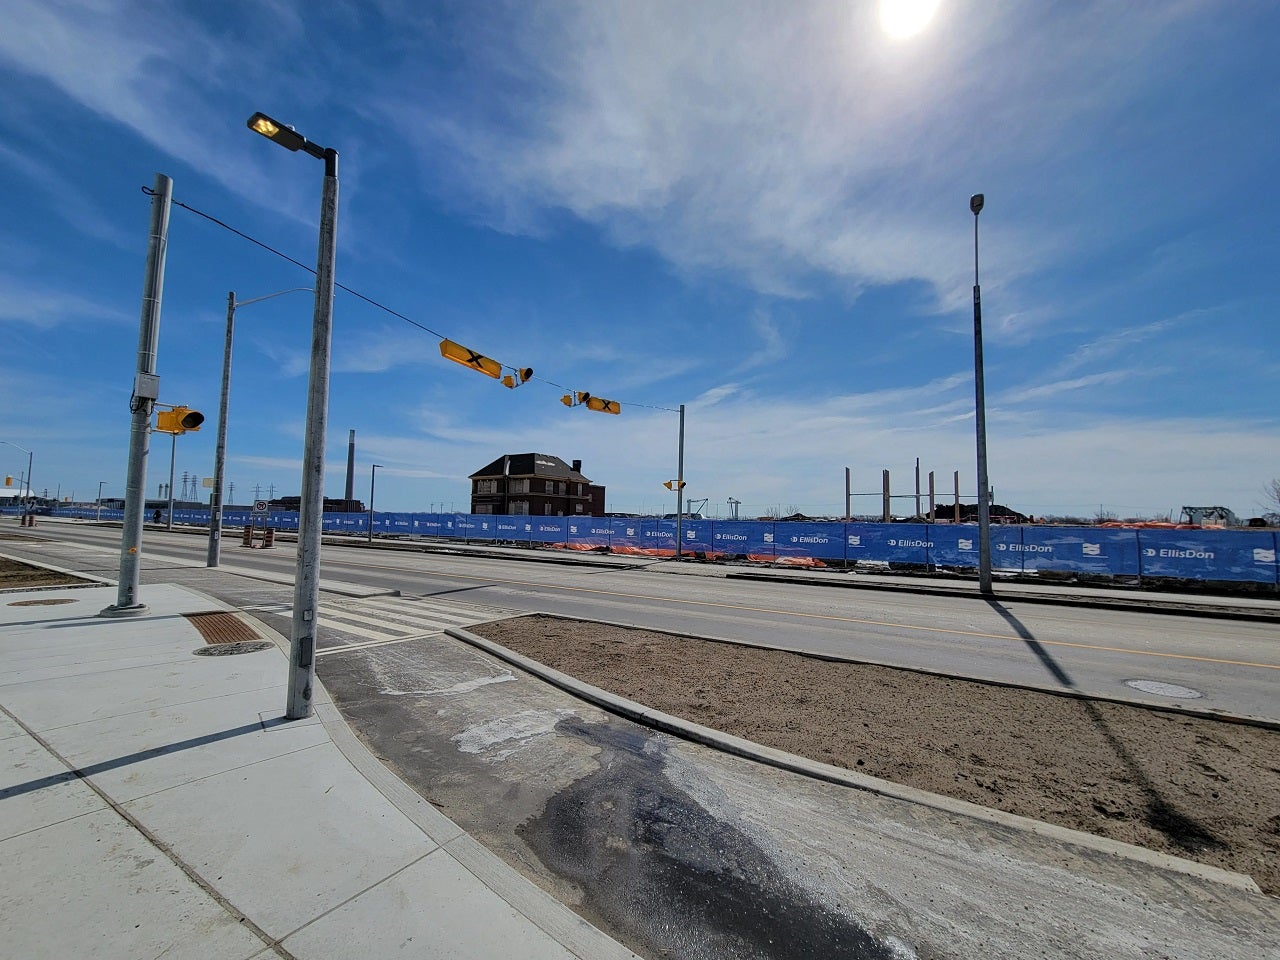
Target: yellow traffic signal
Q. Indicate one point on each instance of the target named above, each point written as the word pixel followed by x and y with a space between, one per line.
pixel 524 373
pixel 591 403
pixel 469 358
pixel 674 484
pixel 8 481
pixel 178 420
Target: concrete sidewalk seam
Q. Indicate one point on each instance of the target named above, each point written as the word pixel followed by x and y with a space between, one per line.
pixel 190 872
pixel 716 739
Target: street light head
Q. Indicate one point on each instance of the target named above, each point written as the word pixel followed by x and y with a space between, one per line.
pixel 975 203
pixel 273 130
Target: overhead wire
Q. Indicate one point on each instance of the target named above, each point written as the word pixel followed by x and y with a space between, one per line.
pixel 369 300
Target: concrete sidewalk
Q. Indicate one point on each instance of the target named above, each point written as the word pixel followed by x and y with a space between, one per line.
pixel 156 803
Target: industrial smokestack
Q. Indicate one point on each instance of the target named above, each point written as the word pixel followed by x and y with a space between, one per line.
pixel 351 468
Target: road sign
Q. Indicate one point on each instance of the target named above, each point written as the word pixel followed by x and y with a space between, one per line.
pixel 259 506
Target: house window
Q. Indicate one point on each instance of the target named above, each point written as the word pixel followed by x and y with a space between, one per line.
pixel 518 486
pixel 483 508
pixel 519 508
pixel 579 489
pixel 577 508
pixel 486 486
pixel 551 486
pixel 547 508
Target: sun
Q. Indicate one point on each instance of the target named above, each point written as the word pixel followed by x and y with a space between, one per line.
pixel 905 18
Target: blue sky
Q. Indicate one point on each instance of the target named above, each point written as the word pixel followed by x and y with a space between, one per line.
pixel 756 209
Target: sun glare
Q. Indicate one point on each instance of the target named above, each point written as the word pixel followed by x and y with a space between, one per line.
pixel 905 18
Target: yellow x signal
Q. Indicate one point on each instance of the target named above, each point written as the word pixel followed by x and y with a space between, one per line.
pixel 469 358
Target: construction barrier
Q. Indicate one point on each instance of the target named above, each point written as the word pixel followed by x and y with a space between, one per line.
pixel 1207 555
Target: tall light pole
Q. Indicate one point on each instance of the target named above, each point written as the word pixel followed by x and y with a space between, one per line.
pixel 980 416
pixel 306 590
pixel 214 555
pixel 373 475
pixel 26 493
pixel 99 517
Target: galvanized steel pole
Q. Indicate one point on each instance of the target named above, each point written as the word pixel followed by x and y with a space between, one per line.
pixel 145 394
pixel 306 592
pixel 980 416
pixel 214 556
pixel 680 487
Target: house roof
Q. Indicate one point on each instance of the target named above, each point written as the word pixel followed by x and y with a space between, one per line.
pixel 530 465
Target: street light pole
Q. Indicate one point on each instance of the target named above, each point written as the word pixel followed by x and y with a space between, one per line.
pixel 980 416
pixel 373 475
pixel 680 487
pixel 214 555
pixel 306 591
pixel 99 517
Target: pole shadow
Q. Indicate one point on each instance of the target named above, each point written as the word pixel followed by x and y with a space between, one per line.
pixel 1183 831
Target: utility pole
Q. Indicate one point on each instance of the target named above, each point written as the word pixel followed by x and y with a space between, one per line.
pixel 146 391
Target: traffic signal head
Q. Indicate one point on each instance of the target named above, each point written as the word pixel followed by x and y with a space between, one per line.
pixel 8 481
pixel 469 358
pixel 179 420
pixel 603 405
pixel 523 373
pixel 567 399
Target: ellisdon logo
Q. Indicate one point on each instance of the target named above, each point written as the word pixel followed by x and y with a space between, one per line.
pixel 809 540
pixel 768 538
pixel 1174 553
pixel 855 541
pixel 736 537
pixel 1091 549
pixel 913 543
pixel 965 544
pixel 1025 547
pixel 1261 555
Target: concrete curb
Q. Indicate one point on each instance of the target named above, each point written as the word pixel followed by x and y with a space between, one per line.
pixel 1143 604
pixel 548 914
pixel 93 580
pixel 639 713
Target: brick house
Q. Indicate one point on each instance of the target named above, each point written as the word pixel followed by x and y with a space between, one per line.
pixel 535 484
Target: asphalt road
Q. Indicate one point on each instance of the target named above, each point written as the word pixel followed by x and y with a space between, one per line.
pixel 683 851
pixel 1232 665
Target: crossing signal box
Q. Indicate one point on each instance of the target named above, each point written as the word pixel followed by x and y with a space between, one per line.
pixel 179 420
pixel 469 358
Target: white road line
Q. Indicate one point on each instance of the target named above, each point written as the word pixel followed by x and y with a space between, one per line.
pixel 349 647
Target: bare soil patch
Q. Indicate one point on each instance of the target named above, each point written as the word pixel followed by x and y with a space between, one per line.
pixel 16 575
pixel 1207 790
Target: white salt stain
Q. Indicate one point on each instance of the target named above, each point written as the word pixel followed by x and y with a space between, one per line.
pixel 512 731
pixel 458 688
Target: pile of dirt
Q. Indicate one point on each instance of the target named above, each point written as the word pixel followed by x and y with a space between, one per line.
pixel 16 575
pixel 1203 789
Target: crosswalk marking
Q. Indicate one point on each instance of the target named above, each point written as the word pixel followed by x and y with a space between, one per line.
pixel 348 624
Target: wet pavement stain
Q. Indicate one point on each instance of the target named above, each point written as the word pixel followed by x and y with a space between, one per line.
pixel 657 867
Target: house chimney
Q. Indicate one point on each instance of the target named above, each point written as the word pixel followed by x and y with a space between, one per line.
pixel 351 467
pixel 577 466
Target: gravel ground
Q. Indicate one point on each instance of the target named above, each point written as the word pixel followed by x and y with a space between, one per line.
pixel 1206 790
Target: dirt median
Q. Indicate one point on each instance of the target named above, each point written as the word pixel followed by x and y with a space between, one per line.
pixel 1207 790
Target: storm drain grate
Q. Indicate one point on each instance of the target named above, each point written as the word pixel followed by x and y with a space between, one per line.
pixel 219 627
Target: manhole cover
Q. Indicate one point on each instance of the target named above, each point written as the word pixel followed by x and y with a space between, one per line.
pixel 51 602
pixel 1162 689
pixel 231 649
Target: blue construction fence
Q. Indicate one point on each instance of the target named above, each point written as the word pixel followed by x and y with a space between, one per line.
pixel 1245 556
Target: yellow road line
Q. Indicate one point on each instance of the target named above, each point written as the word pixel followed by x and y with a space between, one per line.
pixel 816 616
